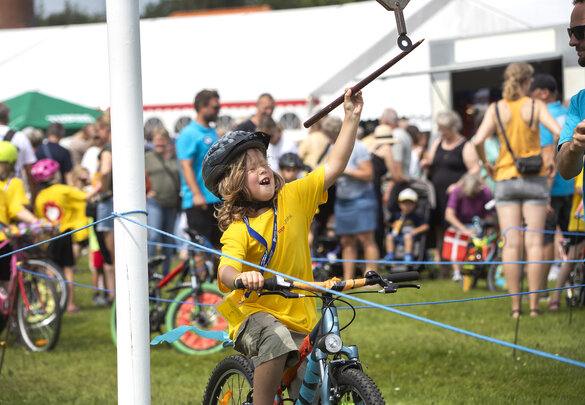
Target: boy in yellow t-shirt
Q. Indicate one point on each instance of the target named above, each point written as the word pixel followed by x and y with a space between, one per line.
pixel 58 203
pixel 8 182
pixel 266 222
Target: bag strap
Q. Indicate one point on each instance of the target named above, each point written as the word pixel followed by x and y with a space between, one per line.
pixel 47 151
pixel 531 115
pixel 9 135
pixel 323 154
pixel 504 132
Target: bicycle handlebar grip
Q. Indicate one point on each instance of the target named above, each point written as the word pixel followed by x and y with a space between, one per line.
pixel 239 284
pixel 269 284
pixel 400 277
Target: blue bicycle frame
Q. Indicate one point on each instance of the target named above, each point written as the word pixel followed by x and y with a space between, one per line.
pixel 318 367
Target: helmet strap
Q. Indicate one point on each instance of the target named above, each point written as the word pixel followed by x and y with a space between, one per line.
pixel 256 205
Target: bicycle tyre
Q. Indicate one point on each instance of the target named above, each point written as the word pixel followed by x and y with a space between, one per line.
pixel 47 267
pixel 495 278
pixel 113 330
pixel 231 382
pixel 355 386
pixel 576 296
pixel 183 312
pixel 39 323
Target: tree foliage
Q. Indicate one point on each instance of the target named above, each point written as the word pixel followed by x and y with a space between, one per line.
pixel 71 14
pixel 74 15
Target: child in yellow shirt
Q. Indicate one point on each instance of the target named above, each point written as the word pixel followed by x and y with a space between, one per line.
pixel 12 204
pixel 58 203
pixel 266 221
pixel 8 182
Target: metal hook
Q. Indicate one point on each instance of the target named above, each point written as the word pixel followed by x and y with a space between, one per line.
pixel 397 6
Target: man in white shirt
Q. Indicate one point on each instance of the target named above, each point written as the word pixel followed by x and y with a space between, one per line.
pixel 26 153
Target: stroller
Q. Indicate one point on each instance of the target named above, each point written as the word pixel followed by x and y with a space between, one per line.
pixel 426 201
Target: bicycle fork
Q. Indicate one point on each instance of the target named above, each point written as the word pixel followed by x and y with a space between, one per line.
pixel 319 369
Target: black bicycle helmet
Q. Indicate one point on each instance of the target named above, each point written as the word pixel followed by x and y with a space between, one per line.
pixel 290 160
pixel 227 147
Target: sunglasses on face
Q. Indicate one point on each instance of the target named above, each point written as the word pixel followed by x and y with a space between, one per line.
pixel 578 32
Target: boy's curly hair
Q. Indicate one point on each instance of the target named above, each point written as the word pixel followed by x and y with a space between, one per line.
pixel 232 187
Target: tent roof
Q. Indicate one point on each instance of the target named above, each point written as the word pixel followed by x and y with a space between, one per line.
pixel 34 109
pixel 289 53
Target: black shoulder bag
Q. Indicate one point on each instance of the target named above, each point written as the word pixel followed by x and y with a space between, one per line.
pixel 529 165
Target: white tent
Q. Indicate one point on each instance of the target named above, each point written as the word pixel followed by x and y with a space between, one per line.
pixel 293 54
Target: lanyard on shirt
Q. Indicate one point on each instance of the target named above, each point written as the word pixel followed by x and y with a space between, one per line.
pixel 267 254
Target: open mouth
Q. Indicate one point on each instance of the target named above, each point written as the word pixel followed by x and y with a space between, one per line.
pixel 265 182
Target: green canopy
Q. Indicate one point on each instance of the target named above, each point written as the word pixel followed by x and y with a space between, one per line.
pixel 34 109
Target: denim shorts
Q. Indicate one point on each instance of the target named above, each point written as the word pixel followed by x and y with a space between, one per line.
pixel 522 190
pixel 104 210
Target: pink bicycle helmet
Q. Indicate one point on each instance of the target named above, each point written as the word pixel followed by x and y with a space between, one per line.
pixel 44 169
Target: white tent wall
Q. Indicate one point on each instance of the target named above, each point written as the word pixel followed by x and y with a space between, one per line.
pixel 292 54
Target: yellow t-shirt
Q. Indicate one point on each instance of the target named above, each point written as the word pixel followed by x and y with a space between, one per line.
pixel 296 206
pixel 79 220
pixel 577 224
pixel 524 141
pixel 15 189
pixel 58 203
pixel 8 210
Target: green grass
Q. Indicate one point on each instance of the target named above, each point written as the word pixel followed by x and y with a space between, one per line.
pixel 412 362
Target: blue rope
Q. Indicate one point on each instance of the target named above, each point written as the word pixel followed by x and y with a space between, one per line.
pixel 106 290
pixel 73 231
pixel 354 298
pixel 382 307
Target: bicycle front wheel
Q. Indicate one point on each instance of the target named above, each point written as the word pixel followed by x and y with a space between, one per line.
pixel 576 295
pixel 496 279
pixel 186 311
pixel 38 313
pixel 355 387
pixel 231 382
pixel 50 269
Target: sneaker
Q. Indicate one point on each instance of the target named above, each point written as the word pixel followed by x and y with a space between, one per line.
pixel 456 277
pixel 389 257
pixel 99 301
pixel 408 257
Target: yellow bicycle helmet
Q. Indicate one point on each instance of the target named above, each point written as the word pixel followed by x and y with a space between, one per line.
pixel 8 152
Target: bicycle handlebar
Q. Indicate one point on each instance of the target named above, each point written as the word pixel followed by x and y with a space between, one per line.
pixel 278 283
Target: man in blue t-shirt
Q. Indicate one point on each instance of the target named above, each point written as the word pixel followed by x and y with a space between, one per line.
pixel 544 87
pixel 193 142
pixel 571 147
pixel 51 149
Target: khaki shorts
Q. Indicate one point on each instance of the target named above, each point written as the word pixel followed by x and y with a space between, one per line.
pixel 262 338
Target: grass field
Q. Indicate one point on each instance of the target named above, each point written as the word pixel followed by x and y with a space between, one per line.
pixel 412 362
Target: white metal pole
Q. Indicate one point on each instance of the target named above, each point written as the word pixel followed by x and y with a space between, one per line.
pixel 129 195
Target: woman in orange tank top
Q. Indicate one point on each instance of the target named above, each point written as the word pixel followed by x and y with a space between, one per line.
pixel 521 199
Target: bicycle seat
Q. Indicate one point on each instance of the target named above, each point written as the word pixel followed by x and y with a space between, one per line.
pixel 196 237
pixel 156 261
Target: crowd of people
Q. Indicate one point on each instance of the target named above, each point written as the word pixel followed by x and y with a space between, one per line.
pixel 260 197
pixel 372 207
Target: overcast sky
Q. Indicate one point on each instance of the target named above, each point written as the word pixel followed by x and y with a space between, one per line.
pixel 88 6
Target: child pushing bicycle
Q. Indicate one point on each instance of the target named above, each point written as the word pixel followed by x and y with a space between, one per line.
pixel 266 221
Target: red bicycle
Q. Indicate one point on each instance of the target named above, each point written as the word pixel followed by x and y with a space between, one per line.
pixel 30 307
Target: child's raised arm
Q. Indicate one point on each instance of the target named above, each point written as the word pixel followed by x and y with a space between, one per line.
pixel 341 151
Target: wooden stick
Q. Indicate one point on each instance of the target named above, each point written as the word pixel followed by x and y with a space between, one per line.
pixel 360 85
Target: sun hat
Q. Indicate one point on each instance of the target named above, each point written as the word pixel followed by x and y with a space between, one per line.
pixel 383 134
pixel 408 194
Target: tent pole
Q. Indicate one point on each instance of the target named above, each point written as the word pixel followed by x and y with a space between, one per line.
pixel 129 195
